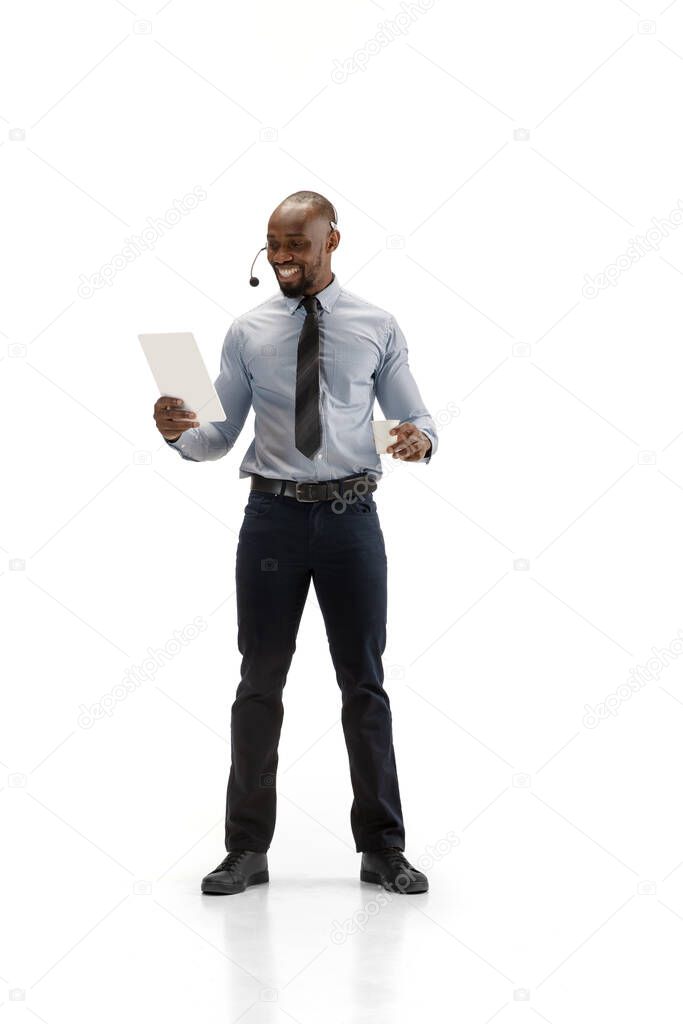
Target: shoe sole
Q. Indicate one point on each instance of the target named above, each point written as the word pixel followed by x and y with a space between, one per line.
pixel 216 889
pixel 372 876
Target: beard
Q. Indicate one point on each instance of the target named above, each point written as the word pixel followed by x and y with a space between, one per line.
pixel 304 281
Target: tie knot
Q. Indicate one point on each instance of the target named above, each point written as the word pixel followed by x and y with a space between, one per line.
pixel 310 304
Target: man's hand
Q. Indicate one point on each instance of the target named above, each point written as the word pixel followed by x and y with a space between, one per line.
pixel 411 444
pixel 171 420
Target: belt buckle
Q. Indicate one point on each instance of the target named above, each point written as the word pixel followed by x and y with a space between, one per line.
pixel 301 484
pixel 298 491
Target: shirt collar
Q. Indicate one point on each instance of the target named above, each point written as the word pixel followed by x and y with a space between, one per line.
pixel 327 297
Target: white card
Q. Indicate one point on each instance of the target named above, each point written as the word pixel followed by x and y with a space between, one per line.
pixel 180 372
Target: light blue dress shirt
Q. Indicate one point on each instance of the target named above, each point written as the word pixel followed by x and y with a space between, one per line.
pixel 363 356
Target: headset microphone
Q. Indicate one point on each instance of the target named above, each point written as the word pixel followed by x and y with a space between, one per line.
pixel 253 281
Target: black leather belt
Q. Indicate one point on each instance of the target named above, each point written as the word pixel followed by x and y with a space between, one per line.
pixel 325 490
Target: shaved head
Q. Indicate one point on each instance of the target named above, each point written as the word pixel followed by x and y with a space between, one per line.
pixel 319 205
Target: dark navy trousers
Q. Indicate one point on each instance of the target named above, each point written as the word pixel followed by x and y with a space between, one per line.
pixel 283 545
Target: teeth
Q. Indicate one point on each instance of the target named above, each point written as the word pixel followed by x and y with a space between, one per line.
pixel 288 273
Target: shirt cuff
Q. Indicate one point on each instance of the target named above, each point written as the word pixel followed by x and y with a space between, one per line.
pixel 179 445
pixel 202 444
pixel 427 458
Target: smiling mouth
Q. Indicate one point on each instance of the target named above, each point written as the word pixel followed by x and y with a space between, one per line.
pixel 287 273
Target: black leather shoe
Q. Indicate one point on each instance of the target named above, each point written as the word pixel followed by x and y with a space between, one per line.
pixel 238 870
pixel 390 869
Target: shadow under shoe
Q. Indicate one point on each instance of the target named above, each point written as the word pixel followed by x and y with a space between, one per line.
pixel 238 870
pixel 390 869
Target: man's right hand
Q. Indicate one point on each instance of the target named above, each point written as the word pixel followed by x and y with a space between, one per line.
pixel 171 420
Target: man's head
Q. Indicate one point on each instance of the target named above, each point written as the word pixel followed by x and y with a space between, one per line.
pixel 301 237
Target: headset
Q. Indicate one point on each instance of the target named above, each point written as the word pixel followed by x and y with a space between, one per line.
pixel 254 281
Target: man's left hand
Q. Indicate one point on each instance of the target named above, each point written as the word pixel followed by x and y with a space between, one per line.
pixel 411 443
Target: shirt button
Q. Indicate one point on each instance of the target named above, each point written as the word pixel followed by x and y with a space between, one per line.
pixel 319 455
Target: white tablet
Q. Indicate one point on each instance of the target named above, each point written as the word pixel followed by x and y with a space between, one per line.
pixel 179 371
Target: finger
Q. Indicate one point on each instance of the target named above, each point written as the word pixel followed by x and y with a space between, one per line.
pixel 177 414
pixel 406 449
pixel 406 432
pixel 176 421
pixel 167 402
pixel 405 435
pixel 180 414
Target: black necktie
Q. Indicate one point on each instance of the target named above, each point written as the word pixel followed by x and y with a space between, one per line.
pixel 307 411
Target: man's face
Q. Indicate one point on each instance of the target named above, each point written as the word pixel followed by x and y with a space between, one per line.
pixel 296 249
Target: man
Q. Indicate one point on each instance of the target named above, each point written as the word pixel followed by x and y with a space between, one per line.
pixel 311 360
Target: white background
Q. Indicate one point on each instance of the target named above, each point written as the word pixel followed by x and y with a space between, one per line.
pixel 482 163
